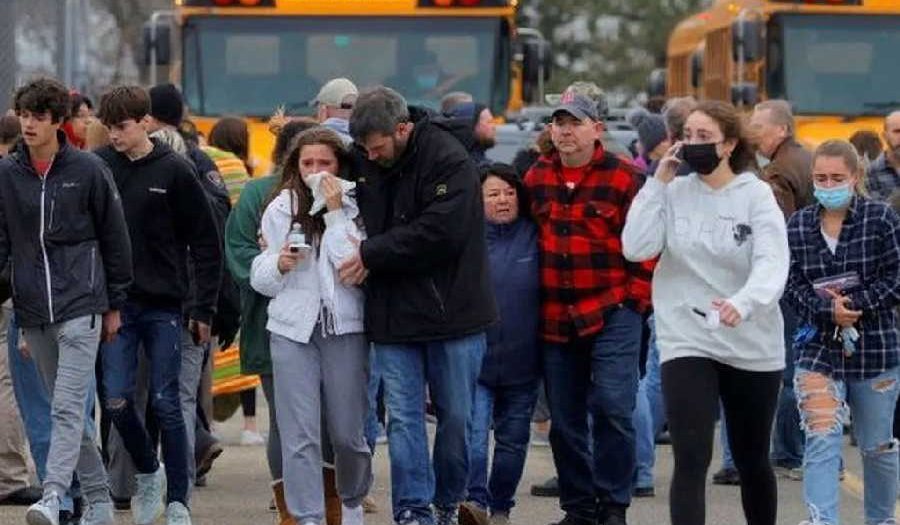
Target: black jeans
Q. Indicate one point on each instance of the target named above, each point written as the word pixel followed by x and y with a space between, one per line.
pixel 692 387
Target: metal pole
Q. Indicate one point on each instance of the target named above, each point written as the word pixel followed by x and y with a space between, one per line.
pixel 68 43
pixel 8 63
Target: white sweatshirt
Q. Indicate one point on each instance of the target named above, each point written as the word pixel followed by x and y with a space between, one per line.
pixel 729 243
pixel 301 296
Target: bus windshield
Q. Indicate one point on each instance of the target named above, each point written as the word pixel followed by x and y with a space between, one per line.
pixel 835 65
pixel 250 65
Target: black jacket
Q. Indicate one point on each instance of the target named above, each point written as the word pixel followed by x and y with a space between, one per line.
pixel 66 235
pixel 227 320
pixel 425 249
pixel 167 213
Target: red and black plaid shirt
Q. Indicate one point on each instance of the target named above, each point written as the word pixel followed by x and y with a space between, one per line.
pixel 583 272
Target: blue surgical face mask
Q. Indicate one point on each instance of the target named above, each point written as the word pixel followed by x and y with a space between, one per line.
pixel 834 198
pixel 427 81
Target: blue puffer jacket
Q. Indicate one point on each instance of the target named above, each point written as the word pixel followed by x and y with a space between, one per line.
pixel 513 355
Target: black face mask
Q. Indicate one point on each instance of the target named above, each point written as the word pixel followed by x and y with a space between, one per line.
pixel 701 158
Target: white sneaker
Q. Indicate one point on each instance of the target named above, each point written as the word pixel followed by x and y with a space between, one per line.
pixel 250 438
pixel 147 504
pixel 177 514
pixel 98 514
pixel 44 512
pixel 352 516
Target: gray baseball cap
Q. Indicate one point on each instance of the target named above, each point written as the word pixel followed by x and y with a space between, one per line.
pixel 577 105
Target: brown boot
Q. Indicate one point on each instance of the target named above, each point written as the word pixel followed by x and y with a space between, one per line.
pixel 284 517
pixel 332 499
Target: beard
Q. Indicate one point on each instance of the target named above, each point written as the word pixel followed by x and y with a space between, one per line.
pixel 487 142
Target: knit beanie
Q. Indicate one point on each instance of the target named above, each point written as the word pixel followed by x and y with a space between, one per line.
pixel 650 128
pixel 166 104
pixel 468 110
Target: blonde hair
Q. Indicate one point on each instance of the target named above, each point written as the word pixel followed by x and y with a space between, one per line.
pixel 96 135
pixel 843 149
pixel 171 138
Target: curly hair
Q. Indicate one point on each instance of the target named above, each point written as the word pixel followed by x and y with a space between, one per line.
pixel 43 95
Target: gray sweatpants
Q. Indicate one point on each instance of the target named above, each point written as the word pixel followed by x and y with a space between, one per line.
pixel 331 372
pixel 65 354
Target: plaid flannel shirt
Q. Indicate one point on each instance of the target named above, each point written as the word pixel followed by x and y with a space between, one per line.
pixel 869 245
pixel 583 272
pixel 882 179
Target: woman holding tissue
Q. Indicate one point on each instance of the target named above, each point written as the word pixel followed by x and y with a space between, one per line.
pixel 319 351
pixel 723 262
pixel 845 282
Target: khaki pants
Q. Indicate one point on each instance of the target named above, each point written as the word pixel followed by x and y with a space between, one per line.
pixel 14 473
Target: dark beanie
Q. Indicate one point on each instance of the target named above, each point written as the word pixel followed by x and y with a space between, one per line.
pixel 650 128
pixel 166 104
pixel 468 110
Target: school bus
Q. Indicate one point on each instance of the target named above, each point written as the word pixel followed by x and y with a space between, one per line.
pixel 247 57
pixel 834 60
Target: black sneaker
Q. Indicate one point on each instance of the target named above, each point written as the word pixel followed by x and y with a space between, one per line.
pixel 66 517
pixel 547 489
pixel 25 496
pixel 643 492
pixel 614 515
pixel 121 504
pixel 574 520
pixel 727 476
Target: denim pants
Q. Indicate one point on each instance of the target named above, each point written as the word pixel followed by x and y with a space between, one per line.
pixel 823 403
pixel 158 332
pixel 508 409
pixel 373 426
pixel 450 368
pixel 34 407
pixel 595 378
pixel 649 413
pixel 787 440
pixel 65 354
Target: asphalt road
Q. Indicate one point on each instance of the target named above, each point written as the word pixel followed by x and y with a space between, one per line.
pixel 238 492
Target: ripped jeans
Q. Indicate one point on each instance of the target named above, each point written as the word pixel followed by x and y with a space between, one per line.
pixel 824 403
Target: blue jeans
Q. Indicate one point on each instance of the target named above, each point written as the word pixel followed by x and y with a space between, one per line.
pixel 372 423
pixel 34 407
pixel 727 459
pixel 595 378
pixel 823 406
pixel 509 408
pixel 788 441
pixel 450 368
pixel 158 331
pixel 649 414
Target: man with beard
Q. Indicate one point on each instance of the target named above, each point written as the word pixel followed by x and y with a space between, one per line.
pixel 484 132
pixel 884 172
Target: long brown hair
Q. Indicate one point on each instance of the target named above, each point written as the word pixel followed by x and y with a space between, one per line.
pixel 232 134
pixel 730 122
pixel 313 226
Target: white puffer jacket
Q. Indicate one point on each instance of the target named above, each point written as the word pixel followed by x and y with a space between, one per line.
pixel 302 296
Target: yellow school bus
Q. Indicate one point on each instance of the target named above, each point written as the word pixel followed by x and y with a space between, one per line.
pixel 836 61
pixel 247 57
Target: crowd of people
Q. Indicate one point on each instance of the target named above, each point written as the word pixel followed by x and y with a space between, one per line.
pixel 720 273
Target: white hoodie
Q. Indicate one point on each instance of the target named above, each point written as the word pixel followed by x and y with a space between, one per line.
pixel 298 297
pixel 728 243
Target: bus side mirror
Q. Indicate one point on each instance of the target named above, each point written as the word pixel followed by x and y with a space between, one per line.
pixel 656 83
pixel 157 43
pixel 747 40
pixel 744 94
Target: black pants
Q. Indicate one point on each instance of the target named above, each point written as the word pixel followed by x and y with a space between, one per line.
pixel 692 387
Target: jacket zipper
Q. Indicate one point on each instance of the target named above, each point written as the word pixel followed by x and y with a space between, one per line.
pixel 43 244
pixel 437 295
pixel 93 256
pixel 52 209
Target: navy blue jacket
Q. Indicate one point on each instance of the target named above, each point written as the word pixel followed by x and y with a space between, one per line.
pixel 513 354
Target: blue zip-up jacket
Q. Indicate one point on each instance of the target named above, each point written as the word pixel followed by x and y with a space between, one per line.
pixel 513 355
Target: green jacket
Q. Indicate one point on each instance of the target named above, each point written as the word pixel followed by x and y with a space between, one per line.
pixel 241 247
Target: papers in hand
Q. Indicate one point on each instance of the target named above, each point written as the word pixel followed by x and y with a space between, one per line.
pixel 841 283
